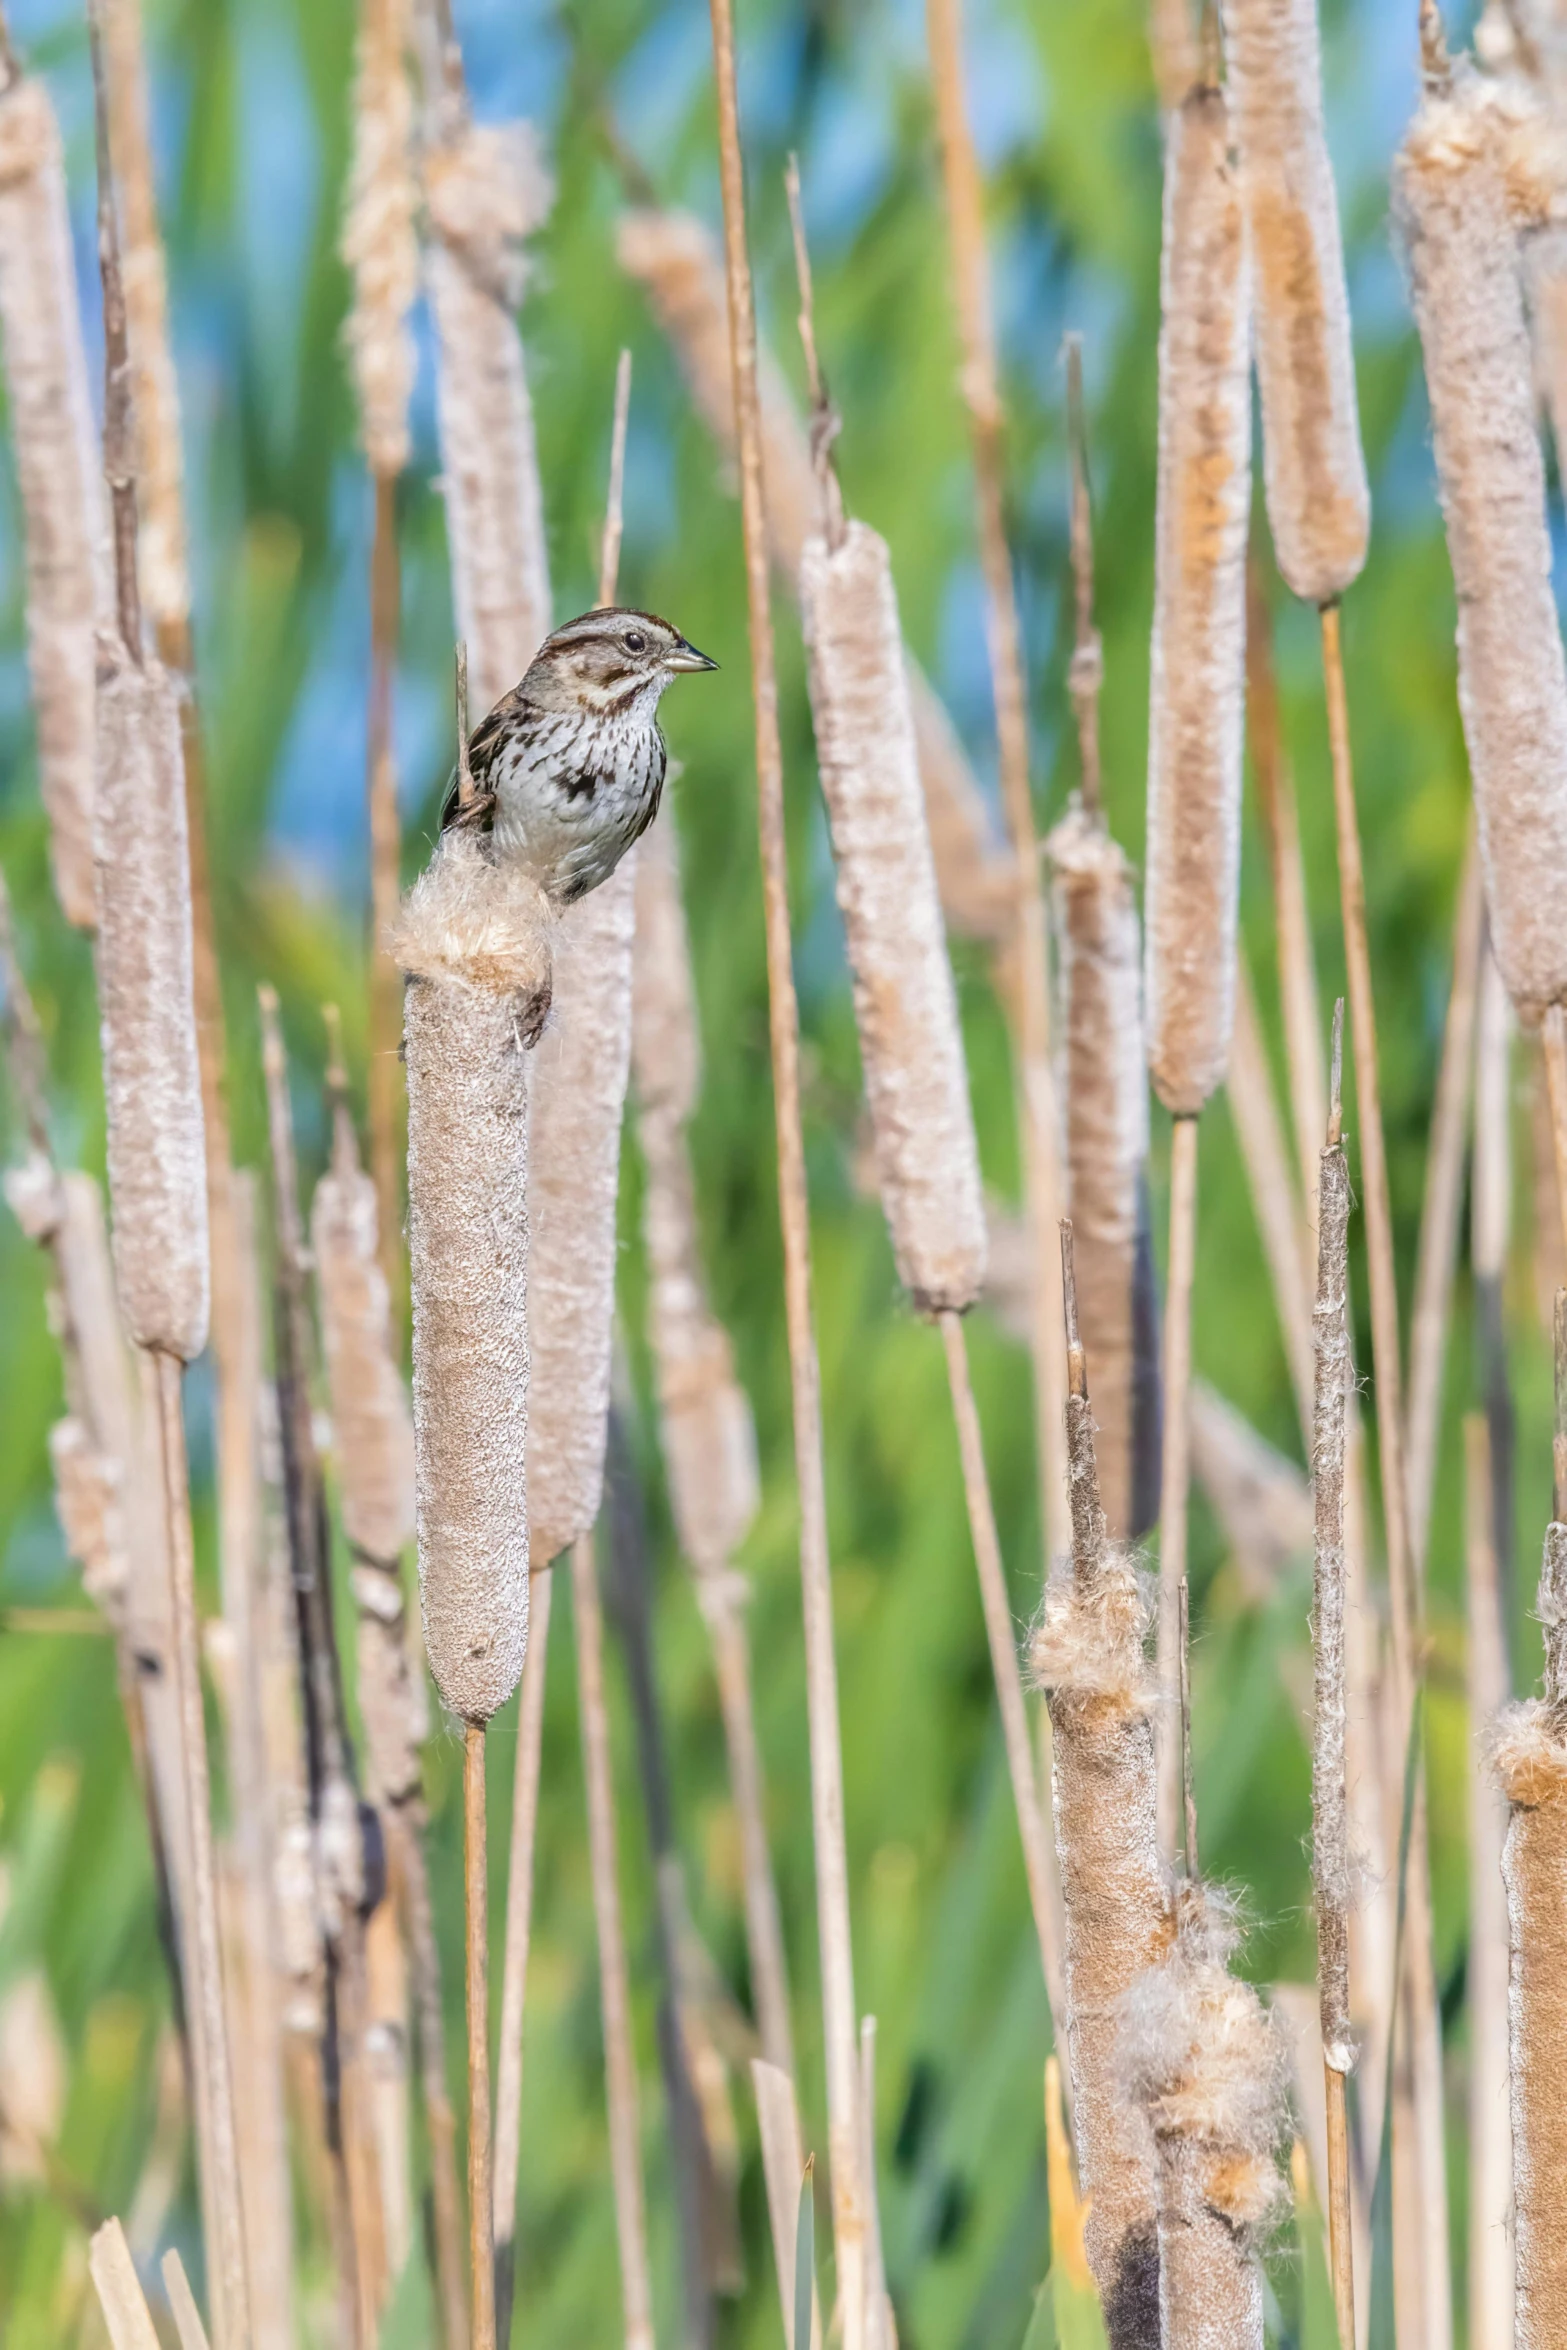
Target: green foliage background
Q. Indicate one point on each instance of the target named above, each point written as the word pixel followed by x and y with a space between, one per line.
pixel 251 100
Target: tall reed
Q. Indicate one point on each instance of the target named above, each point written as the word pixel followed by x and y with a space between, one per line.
pixel 1491 2280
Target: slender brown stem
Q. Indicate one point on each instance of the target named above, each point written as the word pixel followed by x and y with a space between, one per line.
pixel 1038 1853
pixel 1176 1467
pixel 386 993
pixel 222 2213
pixel 481 2225
pixel 1490 2148
pixel 1340 2227
pixel 519 1925
pixel 1425 2047
pixel 1188 1785
pixel 832 1871
pixel 407 1828
pixel 764 1925
pixel 614 514
pixel 625 2132
pixel 119 425
pixel 1042 1175
pixel 1086 674
pixel 465 783
pixel 1260 1132
pixel 1554 1038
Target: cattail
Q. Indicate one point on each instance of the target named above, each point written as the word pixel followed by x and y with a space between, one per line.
pixel 916 1079
pixel 1104 1093
pixel 474 941
pixel 673 255
pixel 1202 2057
pixel 579 1092
pixel 157 1162
pixel 485 193
pixel 1199 630
pixel 1088 1655
pixel 1314 474
pixel 57 473
pixel 1491 2282
pixel 1452 199
pixel 379 241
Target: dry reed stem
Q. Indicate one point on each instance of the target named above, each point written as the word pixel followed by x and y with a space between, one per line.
pixel 1331 1875
pixel 476 1945
pixel 1205 2062
pixel 1319 507
pixel 384 1089
pixel 1085 672
pixel 1490 2140
pixel 182 2301
pixel 673 255
pixel 906 1012
pixel 1199 630
pixel 1037 1857
pixel 1175 1465
pixel 1553 1041
pixel 474 939
pixel 1034 1079
pixel 1491 1195
pixel 625 2141
pixel 411 1875
pixel 1425 2045
pixel 880 2325
pixel 58 475
pixel 1105 1101
pixel 614 510
pixel 1277 806
pixel 1088 1655
pixel 832 1876
pixel 519 1928
pixel 783 2166
pixel 120 2297
pixel 1249 1084
pixel 159 464
pixel 1452 201
pixel 1441 1208
pixel 486 190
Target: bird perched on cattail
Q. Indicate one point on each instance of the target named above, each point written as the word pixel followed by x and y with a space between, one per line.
pixel 568 767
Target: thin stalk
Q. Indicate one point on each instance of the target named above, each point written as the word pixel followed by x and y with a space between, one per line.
pixel 1037 1107
pixel 476 1946
pixel 614 514
pixel 223 2215
pixel 410 1868
pixel 386 989
pixel 1086 673
pixel 519 1926
pixel 1043 1892
pixel 625 2135
pixel 1441 1208
pixel 1491 2281
pixel 764 1926
pixel 1260 1133
pixel 1554 1039
pixel 832 1871
pixel 1175 1477
pixel 1425 2047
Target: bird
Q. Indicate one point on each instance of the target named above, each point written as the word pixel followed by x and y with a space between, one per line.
pixel 568 767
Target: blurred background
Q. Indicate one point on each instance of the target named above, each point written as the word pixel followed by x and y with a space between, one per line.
pixel 251 109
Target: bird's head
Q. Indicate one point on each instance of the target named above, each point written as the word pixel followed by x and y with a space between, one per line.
pixel 607 661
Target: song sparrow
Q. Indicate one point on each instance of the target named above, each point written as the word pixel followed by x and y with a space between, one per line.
pixel 568 766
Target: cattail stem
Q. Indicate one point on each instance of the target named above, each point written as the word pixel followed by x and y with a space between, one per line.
pixel 1491 2281
pixel 1425 2047
pixel 476 1945
pixel 1554 1040
pixel 1043 1889
pixel 386 993
pixel 1086 673
pixel 1249 1084
pixel 1441 1207
pixel 614 513
pixel 223 2217
pixel 1036 1091
pixel 519 1927
pixel 1175 1475
pixel 625 2137
pixel 832 1876
pixel 411 1876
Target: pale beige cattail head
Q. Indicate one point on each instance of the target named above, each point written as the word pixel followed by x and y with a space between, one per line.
pixel 1197 707
pixel 1453 207
pixel 708 1434
pixel 916 1078
pixel 372 1434
pixel 1105 1100
pixel 579 1093
pixel 379 241
pixel 1314 472
pixel 152 1084
pixel 485 195
pixel 57 474
pixel 474 939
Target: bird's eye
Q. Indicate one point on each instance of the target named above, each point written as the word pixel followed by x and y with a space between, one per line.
pixel 634 641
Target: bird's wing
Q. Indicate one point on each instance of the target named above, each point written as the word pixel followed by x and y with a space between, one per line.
pixel 482 745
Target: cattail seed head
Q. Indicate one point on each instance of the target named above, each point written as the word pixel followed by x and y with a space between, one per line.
pixel 485 195
pixel 1197 711
pixel 157 1162
pixel 57 473
pixel 1452 203
pixel 1319 507
pixel 379 242
pixel 579 1093
pixel 916 1079
pixel 474 939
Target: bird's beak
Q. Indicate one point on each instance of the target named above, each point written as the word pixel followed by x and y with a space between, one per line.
pixel 686 657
